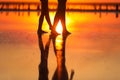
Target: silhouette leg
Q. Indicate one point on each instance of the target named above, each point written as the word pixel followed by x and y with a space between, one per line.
pixel 65 31
pixel 48 20
pixel 40 24
pixel 63 23
pixel 56 20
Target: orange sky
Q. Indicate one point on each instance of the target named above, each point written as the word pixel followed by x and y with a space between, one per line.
pixel 71 0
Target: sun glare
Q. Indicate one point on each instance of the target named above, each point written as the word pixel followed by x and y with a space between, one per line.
pixel 59 28
pixel 58 42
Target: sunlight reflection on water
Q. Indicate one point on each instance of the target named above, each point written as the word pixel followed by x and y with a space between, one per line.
pixel 92 50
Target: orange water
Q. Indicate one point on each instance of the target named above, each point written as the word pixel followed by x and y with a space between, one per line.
pixel 92 50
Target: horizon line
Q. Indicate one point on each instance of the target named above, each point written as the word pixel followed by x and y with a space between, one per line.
pixel 53 2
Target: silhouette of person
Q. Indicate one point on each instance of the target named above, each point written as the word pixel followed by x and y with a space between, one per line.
pixel 43 66
pixel 44 12
pixel 59 49
pixel 60 16
pixel 61 71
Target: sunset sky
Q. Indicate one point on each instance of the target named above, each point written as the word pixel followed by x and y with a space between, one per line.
pixel 71 0
pixel 9 21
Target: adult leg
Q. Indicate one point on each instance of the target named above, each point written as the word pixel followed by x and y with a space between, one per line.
pixel 63 21
pixel 48 19
pixel 40 24
pixel 56 20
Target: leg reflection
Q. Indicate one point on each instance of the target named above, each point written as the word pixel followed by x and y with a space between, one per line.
pixel 59 48
pixel 43 67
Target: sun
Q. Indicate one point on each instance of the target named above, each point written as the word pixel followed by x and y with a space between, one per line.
pixel 59 28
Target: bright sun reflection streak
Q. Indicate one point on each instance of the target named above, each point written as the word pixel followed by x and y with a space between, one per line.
pixel 59 28
pixel 59 47
pixel 58 42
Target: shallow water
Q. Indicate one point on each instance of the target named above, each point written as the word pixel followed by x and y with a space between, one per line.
pixel 92 49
